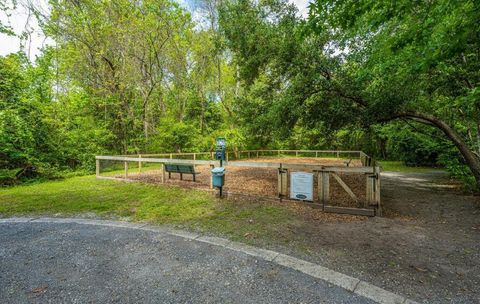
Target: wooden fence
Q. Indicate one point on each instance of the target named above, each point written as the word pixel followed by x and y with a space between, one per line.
pixel 236 155
pixel 371 206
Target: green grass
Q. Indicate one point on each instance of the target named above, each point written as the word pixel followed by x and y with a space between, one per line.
pixel 399 166
pixel 157 204
pixel 103 197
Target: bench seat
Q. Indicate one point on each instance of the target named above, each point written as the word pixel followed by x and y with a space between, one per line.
pixel 182 169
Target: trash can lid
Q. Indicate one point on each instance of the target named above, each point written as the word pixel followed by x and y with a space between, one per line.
pixel 218 170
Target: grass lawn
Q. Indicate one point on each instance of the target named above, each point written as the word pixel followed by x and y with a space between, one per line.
pixel 399 166
pixel 157 204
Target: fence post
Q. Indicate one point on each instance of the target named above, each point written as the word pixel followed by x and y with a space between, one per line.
pixel 257 153
pixel 296 153
pixel 139 163
pixel 369 188
pixel 171 155
pixel 211 180
pixel 279 180
pixel 194 156
pixel 227 157
pixel 163 173
pixel 97 168
pixel 126 170
pixel 377 191
pixel 282 182
pixel 324 187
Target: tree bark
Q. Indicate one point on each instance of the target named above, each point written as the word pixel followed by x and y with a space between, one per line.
pixel 478 138
pixel 470 157
pixel 478 132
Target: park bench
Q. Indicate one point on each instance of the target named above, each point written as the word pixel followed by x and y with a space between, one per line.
pixel 182 169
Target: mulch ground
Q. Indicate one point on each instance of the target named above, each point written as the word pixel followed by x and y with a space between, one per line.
pixel 263 181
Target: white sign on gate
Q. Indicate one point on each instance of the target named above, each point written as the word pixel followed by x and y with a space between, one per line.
pixel 301 186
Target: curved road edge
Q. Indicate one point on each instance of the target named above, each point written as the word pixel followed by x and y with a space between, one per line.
pixel 344 281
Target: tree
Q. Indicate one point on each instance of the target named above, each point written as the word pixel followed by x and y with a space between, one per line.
pixel 417 61
pixel 124 53
pixel 6 6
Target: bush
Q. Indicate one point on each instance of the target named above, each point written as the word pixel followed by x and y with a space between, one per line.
pixel 7 177
pixel 414 149
pixel 458 169
pixel 173 136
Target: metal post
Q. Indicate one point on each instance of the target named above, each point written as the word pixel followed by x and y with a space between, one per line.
pixel 126 170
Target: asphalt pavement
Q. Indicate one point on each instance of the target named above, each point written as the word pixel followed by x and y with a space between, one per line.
pixel 44 262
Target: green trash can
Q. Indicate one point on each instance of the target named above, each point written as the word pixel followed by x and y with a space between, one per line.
pixel 218 177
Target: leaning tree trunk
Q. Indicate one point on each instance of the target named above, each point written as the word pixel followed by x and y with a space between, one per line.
pixel 472 160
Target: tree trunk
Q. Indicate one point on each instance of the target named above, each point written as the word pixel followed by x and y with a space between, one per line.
pixel 478 139
pixel 237 79
pixel 478 133
pixel 472 160
pixel 145 128
pixel 202 111
pixel 145 119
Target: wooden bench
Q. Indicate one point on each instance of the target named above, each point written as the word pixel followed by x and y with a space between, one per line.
pixel 182 169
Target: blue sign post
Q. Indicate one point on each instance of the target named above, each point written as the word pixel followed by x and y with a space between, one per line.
pixel 220 148
pixel 218 174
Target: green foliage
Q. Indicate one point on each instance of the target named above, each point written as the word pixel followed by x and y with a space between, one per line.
pixel 354 64
pixel 17 144
pixel 7 177
pixel 458 169
pixel 414 148
pixel 6 7
pixel 122 78
pixel 142 77
pixel 174 136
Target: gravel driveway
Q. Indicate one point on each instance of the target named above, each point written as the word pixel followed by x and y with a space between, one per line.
pixel 74 263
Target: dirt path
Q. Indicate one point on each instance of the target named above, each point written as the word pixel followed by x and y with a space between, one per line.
pixel 426 248
pixel 446 254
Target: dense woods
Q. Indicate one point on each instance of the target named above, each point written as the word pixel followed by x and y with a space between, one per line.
pixel 398 80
